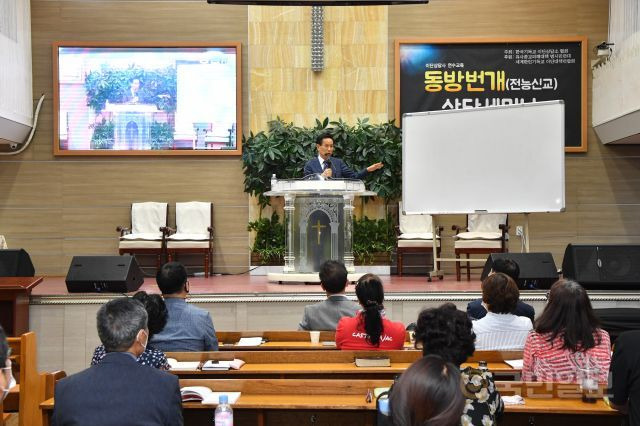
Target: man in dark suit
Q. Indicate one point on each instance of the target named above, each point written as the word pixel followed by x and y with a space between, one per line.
pixel 326 314
pixel 119 391
pixel 476 310
pixel 331 167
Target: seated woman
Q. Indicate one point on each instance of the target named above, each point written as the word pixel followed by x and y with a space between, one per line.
pixel 500 329
pixel 447 332
pixel 427 393
pixel 567 338
pixel 157 319
pixel 369 329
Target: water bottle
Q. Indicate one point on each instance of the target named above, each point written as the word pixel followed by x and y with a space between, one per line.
pixel 224 412
pixel 273 181
pixel 384 414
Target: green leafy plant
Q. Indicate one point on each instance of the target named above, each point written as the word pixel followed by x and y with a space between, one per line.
pixel 103 136
pixel 269 242
pixel 371 237
pixel 157 87
pixel 284 149
pixel 161 135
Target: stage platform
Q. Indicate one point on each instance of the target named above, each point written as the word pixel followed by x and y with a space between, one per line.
pixel 66 326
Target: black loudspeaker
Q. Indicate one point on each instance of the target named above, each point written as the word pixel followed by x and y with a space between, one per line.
pixel 110 274
pixel 537 270
pixel 604 267
pixel 15 263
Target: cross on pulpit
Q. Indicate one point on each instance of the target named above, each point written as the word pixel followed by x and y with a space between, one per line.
pixel 319 227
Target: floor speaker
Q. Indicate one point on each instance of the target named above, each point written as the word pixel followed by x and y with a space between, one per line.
pixel 603 266
pixel 537 270
pixel 110 274
pixel 15 263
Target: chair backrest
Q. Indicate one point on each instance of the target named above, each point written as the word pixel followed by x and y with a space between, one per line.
pixel 147 218
pixel 193 217
pixel 3 242
pixel 410 224
pixel 486 222
pixel 24 354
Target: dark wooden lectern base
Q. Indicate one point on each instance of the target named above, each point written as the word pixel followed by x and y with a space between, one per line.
pixel 14 303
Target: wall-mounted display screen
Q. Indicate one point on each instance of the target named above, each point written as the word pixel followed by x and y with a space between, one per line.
pixel 147 100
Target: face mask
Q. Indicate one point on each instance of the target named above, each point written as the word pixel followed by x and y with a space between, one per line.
pixel 11 382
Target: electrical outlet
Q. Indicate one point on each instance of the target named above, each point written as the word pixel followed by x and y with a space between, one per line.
pixel 519 231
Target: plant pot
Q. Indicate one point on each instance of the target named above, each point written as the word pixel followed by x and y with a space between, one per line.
pixel 377 258
pixel 256 260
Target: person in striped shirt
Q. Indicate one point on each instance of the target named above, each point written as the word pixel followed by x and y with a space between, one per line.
pixel 566 339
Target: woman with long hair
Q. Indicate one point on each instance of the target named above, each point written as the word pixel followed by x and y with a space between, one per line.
pixel 566 339
pixel 369 329
pixel 427 393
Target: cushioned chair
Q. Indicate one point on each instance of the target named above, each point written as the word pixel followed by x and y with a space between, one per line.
pixel 193 233
pixel 414 235
pixel 145 234
pixel 484 234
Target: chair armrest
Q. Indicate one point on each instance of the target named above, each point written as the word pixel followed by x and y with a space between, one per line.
pixel 166 230
pixel 123 230
pixel 458 228
pixel 439 230
pixel 397 229
pixel 504 228
pixel 210 230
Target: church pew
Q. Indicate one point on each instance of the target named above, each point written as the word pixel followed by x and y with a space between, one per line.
pixel 323 364
pixel 47 392
pixel 281 340
pixel 23 398
pixel 339 402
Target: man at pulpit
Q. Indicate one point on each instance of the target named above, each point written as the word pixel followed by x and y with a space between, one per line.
pixel 133 94
pixel 331 167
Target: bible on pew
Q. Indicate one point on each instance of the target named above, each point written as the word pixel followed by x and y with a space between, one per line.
pixel 211 365
pixel 205 395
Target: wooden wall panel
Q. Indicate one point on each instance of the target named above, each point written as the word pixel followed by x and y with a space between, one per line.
pixel 57 208
pixel 352 85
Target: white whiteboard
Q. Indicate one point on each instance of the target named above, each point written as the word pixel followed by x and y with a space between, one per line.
pixel 500 159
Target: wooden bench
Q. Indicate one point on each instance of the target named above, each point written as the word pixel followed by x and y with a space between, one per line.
pixel 324 364
pixel 339 402
pixel 23 398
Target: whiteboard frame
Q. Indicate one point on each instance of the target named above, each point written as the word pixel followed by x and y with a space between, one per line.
pixel 432 171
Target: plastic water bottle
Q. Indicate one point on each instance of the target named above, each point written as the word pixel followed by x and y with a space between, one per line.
pixel 224 412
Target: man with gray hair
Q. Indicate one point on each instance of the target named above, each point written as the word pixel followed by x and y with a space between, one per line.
pixel 119 391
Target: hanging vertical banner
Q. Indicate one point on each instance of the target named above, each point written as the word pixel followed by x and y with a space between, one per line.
pixel 432 75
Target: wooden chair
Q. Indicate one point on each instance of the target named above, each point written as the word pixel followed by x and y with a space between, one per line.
pixel 484 234
pixel 414 235
pixel 24 396
pixel 47 391
pixel 144 236
pixel 193 233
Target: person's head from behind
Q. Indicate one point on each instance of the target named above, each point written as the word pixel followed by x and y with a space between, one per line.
pixel 324 145
pixel 569 314
pixel 333 277
pixel 508 267
pixel 157 313
pixel 447 332
pixel 172 278
pixel 500 293
pixel 427 393
pixel 371 297
pixel 122 326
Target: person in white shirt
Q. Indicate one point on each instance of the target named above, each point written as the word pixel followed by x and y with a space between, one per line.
pixel 500 329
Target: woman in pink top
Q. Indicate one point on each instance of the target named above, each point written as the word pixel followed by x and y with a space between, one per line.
pixel 369 329
pixel 566 338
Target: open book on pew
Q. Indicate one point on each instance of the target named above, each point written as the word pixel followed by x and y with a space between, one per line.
pixel 205 395
pixel 250 341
